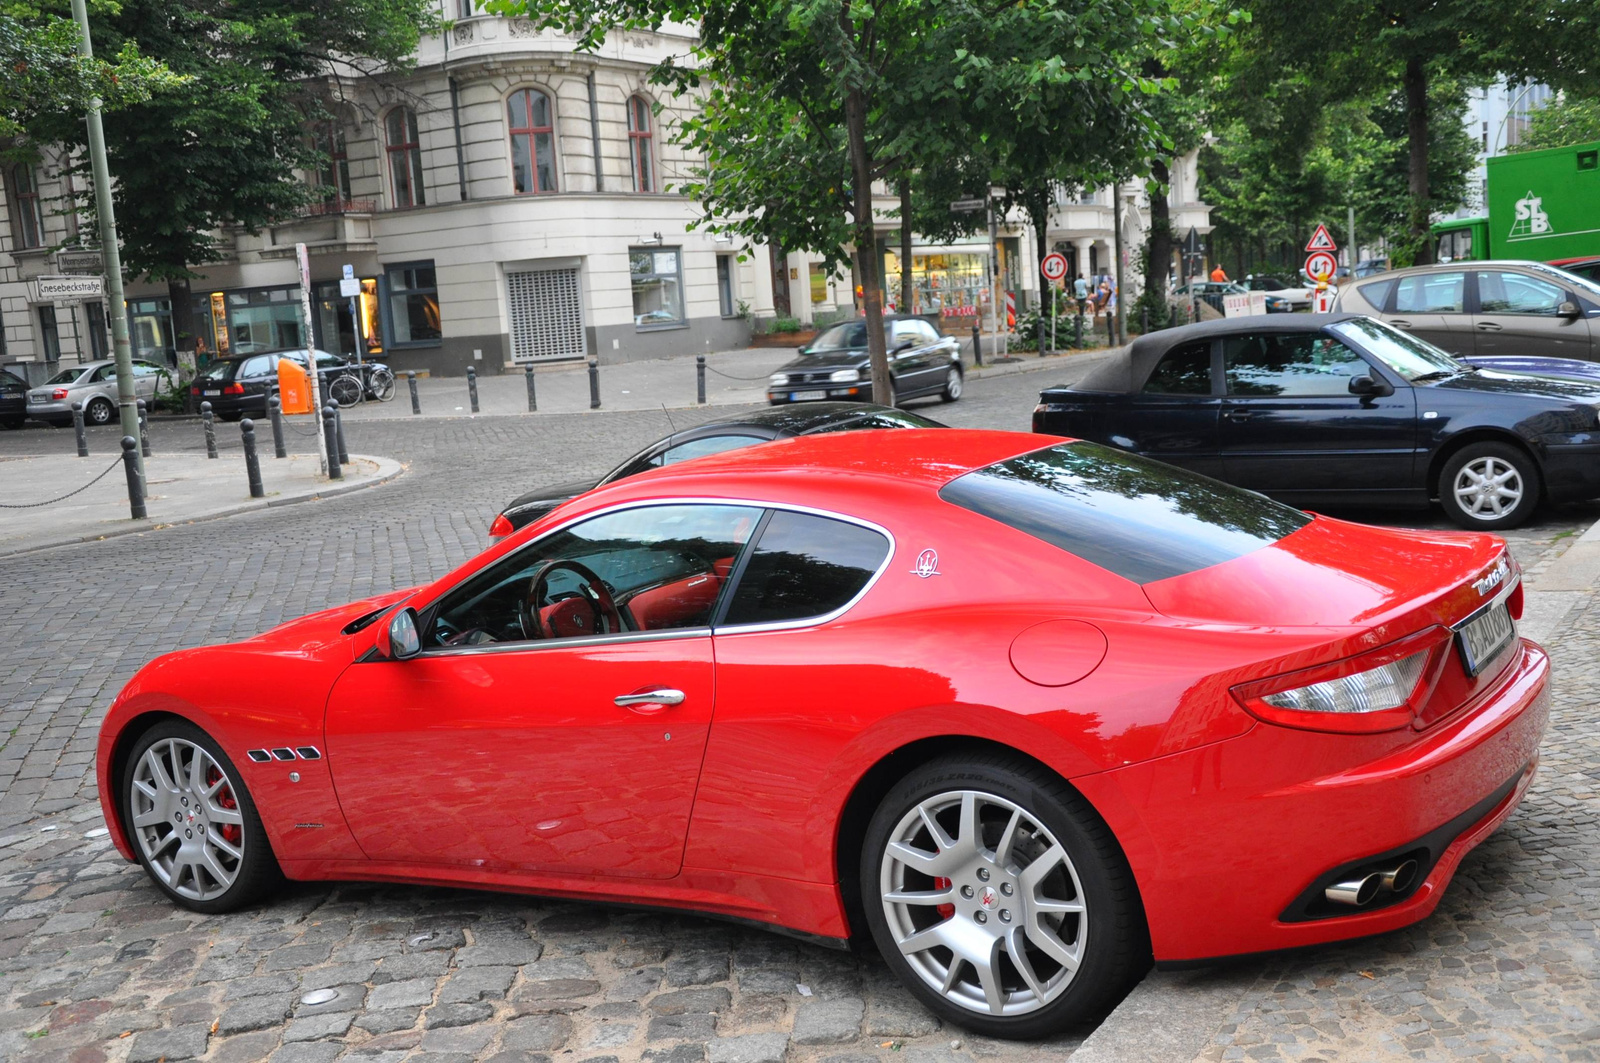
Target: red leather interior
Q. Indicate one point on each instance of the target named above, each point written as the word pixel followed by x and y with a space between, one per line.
pixel 684 603
pixel 568 617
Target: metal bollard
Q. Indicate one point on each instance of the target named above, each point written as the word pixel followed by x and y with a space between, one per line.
pixel 472 387
pixel 533 396
pixel 130 463
pixel 1041 336
pixel 144 430
pixel 330 438
pixel 700 378
pixel 275 408
pixel 77 427
pixel 252 464
pixel 211 429
pixel 411 379
pixel 977 345
pixel 594 383
pixel 1077 340
pixel 338 431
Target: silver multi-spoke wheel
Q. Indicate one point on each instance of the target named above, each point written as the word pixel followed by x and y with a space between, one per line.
pixel 952 385
pixel 186 818
pixel 984 903
pixel 1488 488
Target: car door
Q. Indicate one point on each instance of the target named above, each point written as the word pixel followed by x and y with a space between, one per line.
pixel 1433 308
pixel 1174 415
pixel 1290 425
pixel 490 749
pixel 1521 315
pixel 146 380
pixel 908 358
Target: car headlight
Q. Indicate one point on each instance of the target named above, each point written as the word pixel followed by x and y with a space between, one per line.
pixel 844 376
pixel 779 379
pixel 1375 691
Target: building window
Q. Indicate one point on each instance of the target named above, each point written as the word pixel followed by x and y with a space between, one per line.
pixel 644 178
pixel 725 286
pixel 49 334
pixel 657 286
pixel 405 158
pixel 333 173
pixel 96 315
pixel 25 194
pixel 533 142
pixel 413 298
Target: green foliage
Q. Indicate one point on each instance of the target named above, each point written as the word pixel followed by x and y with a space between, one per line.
pixel 786 324
pixel 1564 121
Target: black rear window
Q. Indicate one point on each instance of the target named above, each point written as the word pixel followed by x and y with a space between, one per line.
pixel 1141 519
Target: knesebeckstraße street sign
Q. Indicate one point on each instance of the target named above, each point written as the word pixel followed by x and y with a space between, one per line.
pixel 1054 267
pixel 49 289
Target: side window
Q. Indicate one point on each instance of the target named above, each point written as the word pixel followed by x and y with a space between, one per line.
pixel 904 332
pixel 804 566
pixel 927 332
pixel 659 568
pixel 328 361
pixel 1376 294
pixel 1514 293
pixel 699 448
pixel 104 373
pixel 1183 370
pixel 1289 365
pixel 257 366
pixel 1431 293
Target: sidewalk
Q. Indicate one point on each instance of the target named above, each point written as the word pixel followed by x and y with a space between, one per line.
pixel 183 488
pixel 733 378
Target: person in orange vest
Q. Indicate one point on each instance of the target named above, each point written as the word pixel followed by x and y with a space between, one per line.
pixel 1219 274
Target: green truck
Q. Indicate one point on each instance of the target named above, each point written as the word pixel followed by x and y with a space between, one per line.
pixel 1543 205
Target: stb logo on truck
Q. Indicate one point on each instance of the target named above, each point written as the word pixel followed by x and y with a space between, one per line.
pixel 1530 219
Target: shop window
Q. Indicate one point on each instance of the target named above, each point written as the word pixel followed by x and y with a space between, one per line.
pixel 49 334
pixel 725 299
pixel 405 158
pixel 533 142
pixel 639 144
pixel 413 298
pixel 657 274
pixel 333 172
pixel 150 328
pixel 265 319
pixel 334 328
pixel 25 200
pixel 819 284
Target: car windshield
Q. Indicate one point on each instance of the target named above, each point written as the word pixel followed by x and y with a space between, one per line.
pixel 1405 354
pixel 850 335
pixel 66 376
pixel 1583 284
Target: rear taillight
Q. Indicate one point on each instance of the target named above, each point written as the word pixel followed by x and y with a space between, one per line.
pixel 500 528
pixel 1381 690
pixel 233 389
pixel 194 391
pixel 59 393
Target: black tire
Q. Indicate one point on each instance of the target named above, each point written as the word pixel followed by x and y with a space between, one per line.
pixel 1114 943
pixel 954 381
pixel 256 871
pixel 1507 468
pixel 13 423
pixel 99 412
pixel 235 416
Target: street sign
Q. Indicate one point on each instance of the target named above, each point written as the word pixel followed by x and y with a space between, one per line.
pixel 1191 243
pixel 48 289
pixel 1054 267
pixel 967 206
pixel 349 272
pixel 1320 265
pixel 1321 241
pixel 349 288
pixel 1322 300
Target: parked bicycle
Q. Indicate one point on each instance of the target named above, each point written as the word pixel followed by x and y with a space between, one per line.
pixel 356 384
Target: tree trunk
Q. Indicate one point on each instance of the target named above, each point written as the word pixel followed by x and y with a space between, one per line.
pixel 1158 254
pixel 855 122
pixel 1416 83
pixel 1039 215
pixel 778 259
pixel 906 303
pixel 182 315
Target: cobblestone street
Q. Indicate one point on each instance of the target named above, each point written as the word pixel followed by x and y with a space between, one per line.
pixel 96 965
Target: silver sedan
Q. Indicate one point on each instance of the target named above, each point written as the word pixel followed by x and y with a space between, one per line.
pixel 95 385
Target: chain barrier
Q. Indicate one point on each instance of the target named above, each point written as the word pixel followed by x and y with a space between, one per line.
pixel 311 430
pixel 730 376
pixel 69 494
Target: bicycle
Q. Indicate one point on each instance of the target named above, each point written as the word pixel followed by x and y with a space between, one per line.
pixel 347 389
pixel 356 384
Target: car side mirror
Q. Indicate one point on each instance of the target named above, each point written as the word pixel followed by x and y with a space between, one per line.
pixel 1568 309
pixel 399 638
pixel 1367 387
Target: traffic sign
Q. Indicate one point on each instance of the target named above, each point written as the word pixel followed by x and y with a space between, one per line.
pixel 967 206
pixel 1054 267
pixel 1321 241
pixel 1320 265
pixel 1322 301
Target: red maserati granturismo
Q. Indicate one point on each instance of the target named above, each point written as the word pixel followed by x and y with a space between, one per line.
pixel 1026 712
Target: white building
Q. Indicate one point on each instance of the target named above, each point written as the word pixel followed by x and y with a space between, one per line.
pixel 1496 119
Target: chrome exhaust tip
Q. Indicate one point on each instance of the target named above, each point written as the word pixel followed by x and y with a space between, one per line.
pixel 1356 892
pixel 1400 878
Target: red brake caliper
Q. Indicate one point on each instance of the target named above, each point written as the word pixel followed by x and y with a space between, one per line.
pixel 230 831
pixel 946 911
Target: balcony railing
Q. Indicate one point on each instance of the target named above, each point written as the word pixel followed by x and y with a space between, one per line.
pixel 339 206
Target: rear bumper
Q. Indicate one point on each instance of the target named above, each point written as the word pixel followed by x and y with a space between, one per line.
pixel 1224 840
pixel 1572 472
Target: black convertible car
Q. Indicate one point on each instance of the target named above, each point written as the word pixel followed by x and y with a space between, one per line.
pixel 713 437
pixel 1340 409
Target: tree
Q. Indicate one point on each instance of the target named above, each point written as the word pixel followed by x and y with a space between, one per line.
pixel 1566 120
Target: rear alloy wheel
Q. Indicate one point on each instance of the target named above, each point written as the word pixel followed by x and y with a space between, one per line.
pixel 999 897
pixel 99 411
pixel 952 385
pixel 1489 486
pixel 192 823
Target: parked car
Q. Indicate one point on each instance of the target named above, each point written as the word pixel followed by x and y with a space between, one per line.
pixel 239 387
pixel 95 385
pixel 1337 409
pixel 13 400
pixel 1587 268
pixel 1296 298
pixel 1487 308
pixel 713 437
pixel 836 365
pixel 1371 267
pixel 1018 710
pixel 1213 293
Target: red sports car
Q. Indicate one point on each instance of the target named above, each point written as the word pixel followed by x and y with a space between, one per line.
pixel 1024 711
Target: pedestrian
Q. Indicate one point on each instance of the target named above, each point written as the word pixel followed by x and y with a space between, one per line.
pixel 1080 290
pixel 1219 275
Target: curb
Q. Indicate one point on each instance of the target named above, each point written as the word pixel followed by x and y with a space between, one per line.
pixel 388 469
pixel 1035 364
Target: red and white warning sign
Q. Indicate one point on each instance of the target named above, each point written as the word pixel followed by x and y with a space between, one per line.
pixel 1320 265
pixel 1054 267
pixel 1322 300
pixel 1321 240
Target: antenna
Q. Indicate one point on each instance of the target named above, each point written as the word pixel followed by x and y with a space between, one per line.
pixel 669 419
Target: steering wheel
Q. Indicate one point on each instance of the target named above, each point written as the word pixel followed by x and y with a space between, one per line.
pixel 601 612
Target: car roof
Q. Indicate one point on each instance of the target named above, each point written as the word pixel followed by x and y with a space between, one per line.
pixel 1440 267
pixel 792 419
pixel 1127 369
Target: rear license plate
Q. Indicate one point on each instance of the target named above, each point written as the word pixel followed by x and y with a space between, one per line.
pixel 1481 639
pixel 806 396
pixel 208 391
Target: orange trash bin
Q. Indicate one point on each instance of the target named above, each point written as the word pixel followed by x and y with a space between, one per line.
pixel 294 386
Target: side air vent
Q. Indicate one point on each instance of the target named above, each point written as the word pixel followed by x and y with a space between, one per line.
pixel 308 752
pixel 260 756
pixel 283 753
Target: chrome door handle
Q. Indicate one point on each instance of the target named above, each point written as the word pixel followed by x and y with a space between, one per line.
pixel 661 696
pixel 1237 415
pixel 1397 323
pixel 1488 326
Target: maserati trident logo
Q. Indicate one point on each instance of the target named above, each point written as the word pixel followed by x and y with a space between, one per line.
pixel 988 898
pixel 927 564
pixel 1493 579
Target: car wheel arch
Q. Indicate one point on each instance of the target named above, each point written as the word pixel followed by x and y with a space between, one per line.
pixel 1466 438
pixel 128 736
